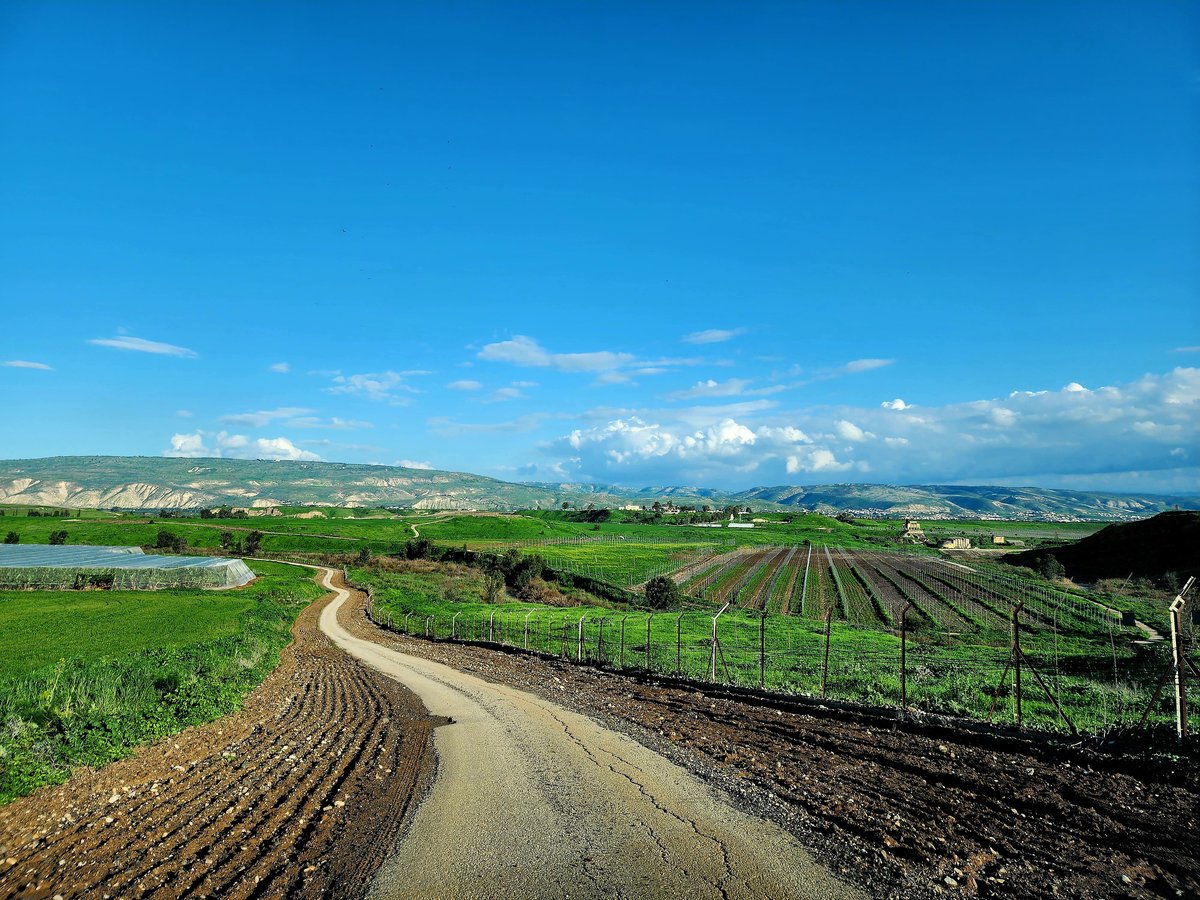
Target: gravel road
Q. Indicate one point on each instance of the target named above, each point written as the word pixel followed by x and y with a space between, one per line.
pixel 531 799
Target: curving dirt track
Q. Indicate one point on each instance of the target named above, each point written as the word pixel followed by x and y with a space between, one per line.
pixel 302 793
pixel 904 810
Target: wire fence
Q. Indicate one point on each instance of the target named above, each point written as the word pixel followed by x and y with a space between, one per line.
pixel 1036 688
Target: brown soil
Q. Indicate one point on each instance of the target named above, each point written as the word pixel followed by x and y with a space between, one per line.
pixel 903 810
pixel 302 793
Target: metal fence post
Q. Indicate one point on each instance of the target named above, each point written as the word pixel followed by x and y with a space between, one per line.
pixel 762 651
pixel 492 627
pixel 579 654
pixel 649 619
pixel 621 663
pixel 825 660
pixel 1181 722
pixel 527 615
pixel 679 646
pixel 454 626
pixel 904 655
pixel 1016 652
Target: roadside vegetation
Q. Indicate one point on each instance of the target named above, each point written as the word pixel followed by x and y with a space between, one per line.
pixel 86 676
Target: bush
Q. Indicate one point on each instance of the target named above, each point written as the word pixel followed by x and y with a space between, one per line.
pixel 58 537
pixel 12 538
pixel 662 593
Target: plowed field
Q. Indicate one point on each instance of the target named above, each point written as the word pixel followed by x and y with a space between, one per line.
pixel 302 793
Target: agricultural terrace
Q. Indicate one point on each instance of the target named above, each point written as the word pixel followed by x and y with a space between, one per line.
pixel 85 676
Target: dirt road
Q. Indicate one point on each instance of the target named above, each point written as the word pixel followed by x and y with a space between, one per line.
pixel 531 799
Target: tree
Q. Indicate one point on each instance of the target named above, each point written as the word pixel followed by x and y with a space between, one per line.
pixel 253 541
pixel 662 593
pixel 227 540
pixel 1050 568
pixel 364 556
pixel 58 537
pixel 12 538
pixel 493 586
pixel 566 504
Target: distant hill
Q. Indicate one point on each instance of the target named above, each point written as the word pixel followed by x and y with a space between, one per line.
pixel 1169 542
pixel 151 482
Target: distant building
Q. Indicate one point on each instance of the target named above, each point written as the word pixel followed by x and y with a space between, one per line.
pixel 741 525
pixel 959 543
pixel 912 530
pixel 998 539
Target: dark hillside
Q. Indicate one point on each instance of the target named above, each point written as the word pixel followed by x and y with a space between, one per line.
pixel 1169 542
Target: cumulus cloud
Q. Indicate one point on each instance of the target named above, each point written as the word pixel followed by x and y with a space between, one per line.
pixel 26 364
pixel 894 404
pixel 234 446
pixel 1131 436
pixel 464 384
pixel 138 345
pixel 413 464
pixel 280 368
pixel 712 335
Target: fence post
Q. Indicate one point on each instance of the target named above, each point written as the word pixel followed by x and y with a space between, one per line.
pixel 527 615
pixel 712 672
pixel 428 624
pixel 825 659
pixel 621 664
pixel 649 619
pixel 679 646
pixel 762 651
pixel 1016 653
pixel 492 628
pixel 454 626
pixel 406 618
pixel 904 655
pixel 1181 722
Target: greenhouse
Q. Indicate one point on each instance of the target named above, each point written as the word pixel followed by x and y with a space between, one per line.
pixel 58 567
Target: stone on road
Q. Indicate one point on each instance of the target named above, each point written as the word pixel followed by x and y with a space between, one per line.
pixel 532 800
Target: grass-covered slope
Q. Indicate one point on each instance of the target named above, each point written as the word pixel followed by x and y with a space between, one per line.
pixel 1169 542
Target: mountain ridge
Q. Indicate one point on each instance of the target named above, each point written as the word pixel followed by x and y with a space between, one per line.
pixel 153 482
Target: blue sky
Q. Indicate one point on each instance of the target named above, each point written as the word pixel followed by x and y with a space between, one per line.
pixel 721 244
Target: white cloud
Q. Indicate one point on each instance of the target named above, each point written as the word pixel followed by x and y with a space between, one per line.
pixel 464 384
pixel 1075 388
pixel 609 366
pixel 865 365
pixel 281 368
pixel 125 342
pixel 525 351
pixel 413 464
pixel 235 446
pixel 734 387
pixel 1125 437
pixel 333 422
pixel 500 395
pixel 264 416
pixel 712 335
pixel 894 404
pixel 1186 350
pixel 183 413
pixel 26 364
pixel 850 432
pixel 378 386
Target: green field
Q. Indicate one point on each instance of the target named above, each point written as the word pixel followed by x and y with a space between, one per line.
pixel 87 676
pixel 946 674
